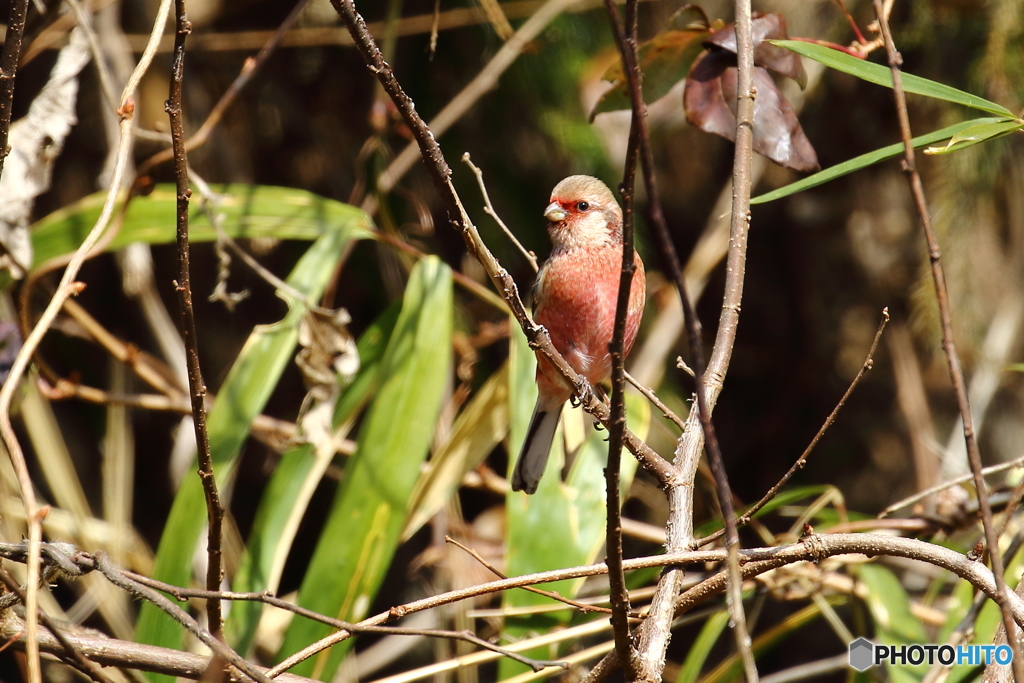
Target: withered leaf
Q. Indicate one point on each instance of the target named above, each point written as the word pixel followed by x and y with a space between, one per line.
pixel 664 60
pixel 766 27
pixel 710 100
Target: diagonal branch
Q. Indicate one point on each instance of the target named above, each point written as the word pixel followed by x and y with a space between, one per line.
pixel 627 40
pixel 956 372
pixel 457 217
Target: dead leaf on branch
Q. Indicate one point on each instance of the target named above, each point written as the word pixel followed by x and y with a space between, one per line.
pixel 664 60
pixel 705 55
pixel 710 101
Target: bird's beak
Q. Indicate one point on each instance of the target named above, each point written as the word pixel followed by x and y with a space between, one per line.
pixel 554 213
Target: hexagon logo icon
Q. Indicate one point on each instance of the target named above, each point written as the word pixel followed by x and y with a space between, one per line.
pixel 862 654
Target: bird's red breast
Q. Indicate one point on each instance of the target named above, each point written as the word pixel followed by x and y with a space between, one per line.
pixel 576 299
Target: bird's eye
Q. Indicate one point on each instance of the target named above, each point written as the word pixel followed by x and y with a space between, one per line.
pixel 583 206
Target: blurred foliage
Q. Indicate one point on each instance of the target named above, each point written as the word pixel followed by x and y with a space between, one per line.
pixel 342 501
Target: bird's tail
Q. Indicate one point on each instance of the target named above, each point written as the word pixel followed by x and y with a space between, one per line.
pixel 533 459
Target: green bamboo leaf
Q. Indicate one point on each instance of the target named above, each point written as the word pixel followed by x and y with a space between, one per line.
pixel 1016 367
pixel 249 211
pixel 290 487
pixel 895 624
pixel 479 428
pixel 562 524
pixel 365 522
pixel 882 75
pixel 242 397
pixel 698 653
pixel 890 605
pixel 975 134
pixel 865 160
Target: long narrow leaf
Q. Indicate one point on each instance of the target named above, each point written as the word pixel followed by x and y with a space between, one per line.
pixel 242 397
pixel 881 75
pixel 362 530
pixel 291 486
pixel 249 211
pixel 562 524
pixel 865 160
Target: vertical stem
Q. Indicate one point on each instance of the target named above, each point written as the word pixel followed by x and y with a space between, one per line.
pixel 197 390
pixel 735 267
pixel 9 69
pixel 617 418
pixel 956 373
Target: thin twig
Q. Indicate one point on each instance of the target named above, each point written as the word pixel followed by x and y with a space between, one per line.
pixel 489 210
pixel 470 285
pixel 118 578
pixel 481 84
pixel 1001 467
pixel 956 372
pixel 581 606
pixel 653 398
pixel 65 288
pixel 756 561
pixel 869 362
pixel 626 37
pixel 537 336
pixel 268 598
pixel 9 70
pixel 740 225
pixel 250 68
pixel 197 390
pixel 71 652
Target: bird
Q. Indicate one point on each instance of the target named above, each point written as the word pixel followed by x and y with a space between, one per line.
pixel 575 297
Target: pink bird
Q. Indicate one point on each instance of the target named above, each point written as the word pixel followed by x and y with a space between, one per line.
pixel 575 299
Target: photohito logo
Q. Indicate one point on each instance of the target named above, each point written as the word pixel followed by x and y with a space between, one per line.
pixel 864 654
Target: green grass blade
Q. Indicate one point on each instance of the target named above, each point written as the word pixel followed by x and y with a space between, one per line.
pixel 698 653
pixel 865 160
pixel 562 524
pixel 881 75
pixel 290 487
pixel 249 211
pixel 479 428
pixel 245 391
pixel 369 510
pixel 895 624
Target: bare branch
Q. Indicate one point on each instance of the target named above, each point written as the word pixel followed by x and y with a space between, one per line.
pixel 502 281
pixel 802 460
pixel 197 390
pixel 956 372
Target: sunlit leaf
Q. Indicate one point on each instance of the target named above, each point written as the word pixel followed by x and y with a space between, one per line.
pixel 881 75
pixel 245 391
pixel 865 160
pixel 363 527
pixel 249 211
pixel 479 428
pixel 698 652
pixel 664 60
pixel 563 523
pixel 732 668
pixel 975 134
pixel 291 486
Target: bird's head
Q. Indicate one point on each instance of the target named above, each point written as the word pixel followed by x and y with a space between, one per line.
pixel 583 213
